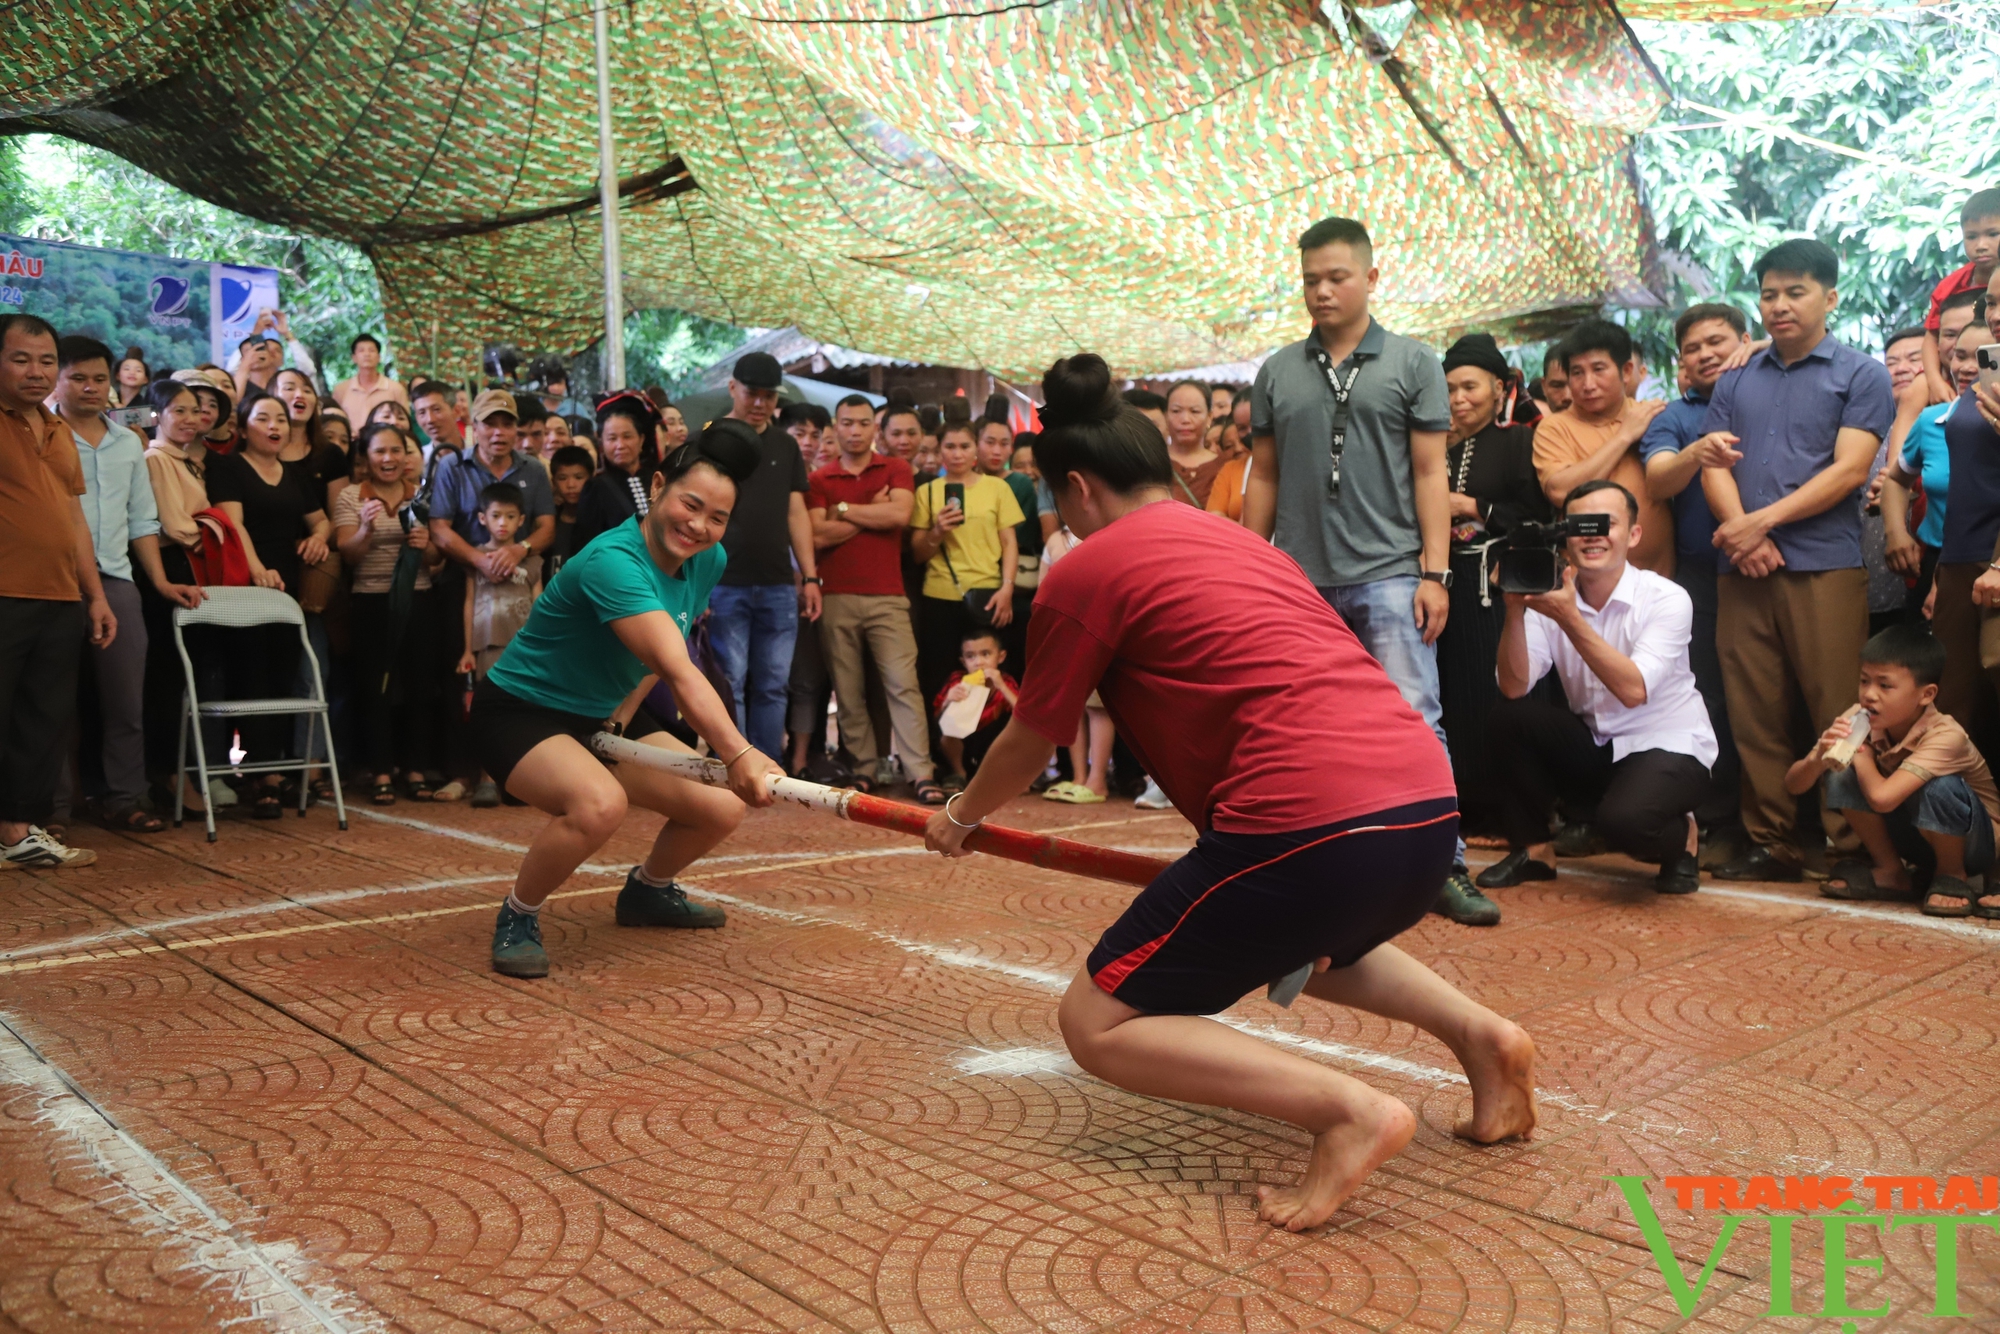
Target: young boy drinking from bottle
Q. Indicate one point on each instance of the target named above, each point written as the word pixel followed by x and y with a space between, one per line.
pixel 982 655
pixel 1915 790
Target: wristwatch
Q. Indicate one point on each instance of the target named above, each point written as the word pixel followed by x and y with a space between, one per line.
pixel 840 510
pixel 1442 577
pixel 812 579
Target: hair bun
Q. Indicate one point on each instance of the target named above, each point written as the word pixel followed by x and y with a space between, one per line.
pixel 1078 389
pixel 731 446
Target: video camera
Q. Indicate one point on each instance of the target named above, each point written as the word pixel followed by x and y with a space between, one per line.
pixel 1531 555
pixel 507 368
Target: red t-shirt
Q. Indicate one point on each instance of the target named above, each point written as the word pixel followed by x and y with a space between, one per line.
pixel 1246 698
pixel 1959 280
pixel 870 562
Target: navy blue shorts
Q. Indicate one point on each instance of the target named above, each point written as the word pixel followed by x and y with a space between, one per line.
pixel 1242 910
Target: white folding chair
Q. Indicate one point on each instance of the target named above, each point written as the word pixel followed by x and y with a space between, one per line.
pixel 238 608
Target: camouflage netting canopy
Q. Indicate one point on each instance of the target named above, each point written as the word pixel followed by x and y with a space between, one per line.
pixel 972 182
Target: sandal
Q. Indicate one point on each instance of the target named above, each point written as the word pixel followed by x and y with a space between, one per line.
pixel 135 821
pixel 1856 884
pixel 452 791
pixel 416 787
pixel 1949 887
pixel 382 792
pixel 1988 911
pixel 930 794
pixel 1072 794
pixel 322 789
pixel 270 803
pixel 862 783
pixel 952 783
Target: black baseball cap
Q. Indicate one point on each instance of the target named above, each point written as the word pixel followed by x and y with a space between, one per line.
pixel 758 370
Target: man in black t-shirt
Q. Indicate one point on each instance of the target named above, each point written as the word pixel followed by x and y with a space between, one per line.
pixel 754 624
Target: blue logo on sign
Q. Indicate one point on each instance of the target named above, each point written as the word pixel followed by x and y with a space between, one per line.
pixel 170 295
pixel 235 300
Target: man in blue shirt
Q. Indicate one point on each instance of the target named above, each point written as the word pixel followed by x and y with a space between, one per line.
pixel 1801 422
pixel 124 529
pixel 458 531
pixel 1706 336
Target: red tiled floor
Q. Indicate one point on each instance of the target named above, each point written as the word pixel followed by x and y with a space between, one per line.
pixel 297 1098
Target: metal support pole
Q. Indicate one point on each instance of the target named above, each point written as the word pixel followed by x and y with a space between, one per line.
pixel 607 194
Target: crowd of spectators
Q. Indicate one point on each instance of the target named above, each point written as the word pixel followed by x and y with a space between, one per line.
pixel 1767 647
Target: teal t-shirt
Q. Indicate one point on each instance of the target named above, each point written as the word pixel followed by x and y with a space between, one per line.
pixel 1925 454
pixel 567 656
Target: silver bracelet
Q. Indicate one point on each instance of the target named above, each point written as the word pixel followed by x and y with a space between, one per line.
pixel 954 819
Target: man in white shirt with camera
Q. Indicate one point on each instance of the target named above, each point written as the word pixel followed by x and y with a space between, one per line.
pixel 1639 742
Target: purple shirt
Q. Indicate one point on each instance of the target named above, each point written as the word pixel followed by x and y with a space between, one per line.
pixel 1786 420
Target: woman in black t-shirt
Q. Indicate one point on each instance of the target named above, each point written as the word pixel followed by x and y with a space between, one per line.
pixel 282 520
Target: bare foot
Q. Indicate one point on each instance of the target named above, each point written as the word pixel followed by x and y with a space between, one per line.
pixel 1499 1060
pixel 1342 1159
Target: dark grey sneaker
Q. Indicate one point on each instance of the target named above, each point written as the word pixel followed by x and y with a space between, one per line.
pixel 641 904
pixel 486 795
pixel 1462 902
pixel 517 944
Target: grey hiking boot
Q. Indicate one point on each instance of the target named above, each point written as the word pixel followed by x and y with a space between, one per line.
pixel 517 944
pixel 641 904
pixel 1462 902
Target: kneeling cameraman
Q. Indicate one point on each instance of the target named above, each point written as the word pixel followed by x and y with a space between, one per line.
pixel 1640 741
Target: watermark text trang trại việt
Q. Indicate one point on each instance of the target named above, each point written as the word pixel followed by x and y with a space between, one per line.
pixel 1830 1203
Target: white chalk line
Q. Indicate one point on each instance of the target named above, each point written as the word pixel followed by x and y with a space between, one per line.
pixel 271 1278
pixel 69 944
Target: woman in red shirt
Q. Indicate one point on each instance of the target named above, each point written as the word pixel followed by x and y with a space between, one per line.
pixel 1325 806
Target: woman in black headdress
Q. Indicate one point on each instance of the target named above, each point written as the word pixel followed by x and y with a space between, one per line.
pixel 628 449
pixel 1490 464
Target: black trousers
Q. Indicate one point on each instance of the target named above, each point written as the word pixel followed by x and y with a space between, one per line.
pixel 395 685
pixel 454 738
pixel 1546 753
pixel 1722 806
pixel 40 642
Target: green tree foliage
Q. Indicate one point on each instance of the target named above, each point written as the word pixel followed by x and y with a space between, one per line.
pixel 666 347
pixel 85 195
pixel 1919 87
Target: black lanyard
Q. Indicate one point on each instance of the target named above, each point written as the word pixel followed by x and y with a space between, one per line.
pixel 1342 393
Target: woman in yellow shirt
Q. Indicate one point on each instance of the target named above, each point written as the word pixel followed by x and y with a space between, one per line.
pixel 962 527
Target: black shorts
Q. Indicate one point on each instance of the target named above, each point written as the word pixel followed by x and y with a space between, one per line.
pixel 1243 910
pixel 506 727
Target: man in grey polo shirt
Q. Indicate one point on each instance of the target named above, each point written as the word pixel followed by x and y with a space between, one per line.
pixel 1347 477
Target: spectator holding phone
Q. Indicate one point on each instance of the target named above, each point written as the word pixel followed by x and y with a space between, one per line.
pixel 962 528
pixel 393 614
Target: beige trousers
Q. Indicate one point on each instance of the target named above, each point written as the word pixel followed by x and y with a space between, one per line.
pixel 854 627
pixel 1785 640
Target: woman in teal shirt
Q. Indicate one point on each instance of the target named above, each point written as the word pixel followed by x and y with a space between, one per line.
pixel 615 617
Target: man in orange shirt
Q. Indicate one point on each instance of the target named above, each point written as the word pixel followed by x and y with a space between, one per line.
pixel 49 593
pixel 1598 435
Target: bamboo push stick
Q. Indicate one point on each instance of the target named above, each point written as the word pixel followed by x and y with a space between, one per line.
pixel 1015 845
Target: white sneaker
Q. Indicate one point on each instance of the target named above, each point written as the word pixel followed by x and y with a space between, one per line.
pixel 41 851
pixel 220 794
pixel 1152 799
